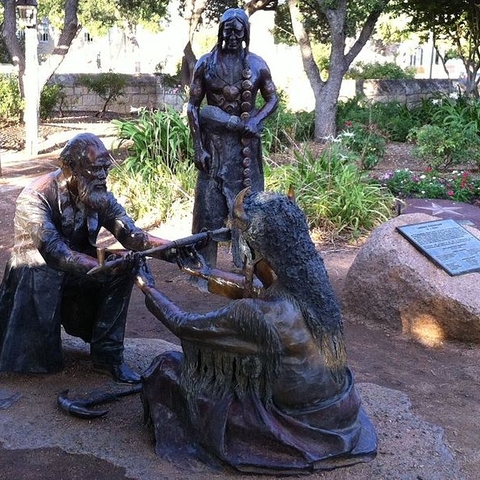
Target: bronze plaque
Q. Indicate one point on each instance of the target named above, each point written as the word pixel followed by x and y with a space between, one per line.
pixel 446 243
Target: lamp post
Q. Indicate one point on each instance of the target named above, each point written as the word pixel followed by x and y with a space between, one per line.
pixel 27 11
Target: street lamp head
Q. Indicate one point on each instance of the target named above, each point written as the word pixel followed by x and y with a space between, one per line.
pixel 27 11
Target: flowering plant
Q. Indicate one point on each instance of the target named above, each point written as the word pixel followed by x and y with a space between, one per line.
pixel 364 141
pixel 460 186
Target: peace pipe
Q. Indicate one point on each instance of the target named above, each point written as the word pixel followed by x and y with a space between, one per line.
pixel 197 238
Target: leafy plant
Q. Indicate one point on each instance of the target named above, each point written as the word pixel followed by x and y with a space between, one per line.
pixel 109 86
pixel 452 144
pixel 365 142
pixel 154 139
pixel 393 120
pixel 377 70
pixel 11 106
pixel 153 200
pixel 330 190
pixel 285 126
pixel 50 98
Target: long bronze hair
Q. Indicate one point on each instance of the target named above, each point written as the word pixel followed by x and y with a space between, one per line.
pixel 276 228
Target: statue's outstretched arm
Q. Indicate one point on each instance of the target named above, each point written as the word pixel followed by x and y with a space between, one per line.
pixel 218 328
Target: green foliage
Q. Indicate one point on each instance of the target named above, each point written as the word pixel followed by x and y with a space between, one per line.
pixel 156 179
pixel 424 112
pixel 455 110
pixel 393 120
pixel 377 70
pixel 330 190
pixel 445 129
pixel 150 11
pixel 446 146
pixel 460 186
pixel 356 109
pixel 50 98
pixel 321 54
pixel 285 127
pixel 456 22
pixel 155 139
pixel 365 142
pixel 170 81
pixel 451 137
pixel 11 106
pixel 158 196
pixel 108 86
pixel 100 15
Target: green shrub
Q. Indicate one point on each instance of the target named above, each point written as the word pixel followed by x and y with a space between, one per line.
pixel 356 109
pixel 109 86
pixel 154 139
pixel 163 195
pixel 460 186
pixel 455 110
pixel 392 120
pixel 11 105
pixel 285 127
pixel 367 144
pixel 330 190
pixel 377 70
pixel 449 145
pixel 51 97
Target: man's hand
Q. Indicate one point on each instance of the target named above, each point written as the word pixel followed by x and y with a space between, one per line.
pixel 253 128
pixel 115 265
pixel 202 160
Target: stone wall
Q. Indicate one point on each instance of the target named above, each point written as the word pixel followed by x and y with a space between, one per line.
pixel 141 91
pixel 145 90
pixel 410 92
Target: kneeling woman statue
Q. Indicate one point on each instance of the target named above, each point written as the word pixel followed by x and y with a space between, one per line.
pixel 263 383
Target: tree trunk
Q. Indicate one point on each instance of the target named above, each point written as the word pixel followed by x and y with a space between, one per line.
pixel 67 35
pixel 193 17
pixel 9 34
pixel 46 69
pixel 326 92
pixel 188 64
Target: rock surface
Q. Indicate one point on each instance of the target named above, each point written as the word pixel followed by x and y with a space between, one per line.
pixel 391 282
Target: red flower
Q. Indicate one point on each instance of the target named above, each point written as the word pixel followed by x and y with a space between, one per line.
pixel 428 169
pixel 450 193
pixel 348 124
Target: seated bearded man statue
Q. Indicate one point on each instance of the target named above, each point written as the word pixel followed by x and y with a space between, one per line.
pixel 48 282
pixel 262 383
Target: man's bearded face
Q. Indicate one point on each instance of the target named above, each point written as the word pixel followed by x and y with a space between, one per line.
pixel 92 178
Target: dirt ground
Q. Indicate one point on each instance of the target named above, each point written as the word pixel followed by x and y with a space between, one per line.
pixel 442 384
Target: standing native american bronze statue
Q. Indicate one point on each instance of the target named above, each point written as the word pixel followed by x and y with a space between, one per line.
pixel 226 131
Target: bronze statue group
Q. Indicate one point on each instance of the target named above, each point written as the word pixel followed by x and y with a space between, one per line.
pixel 261 384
